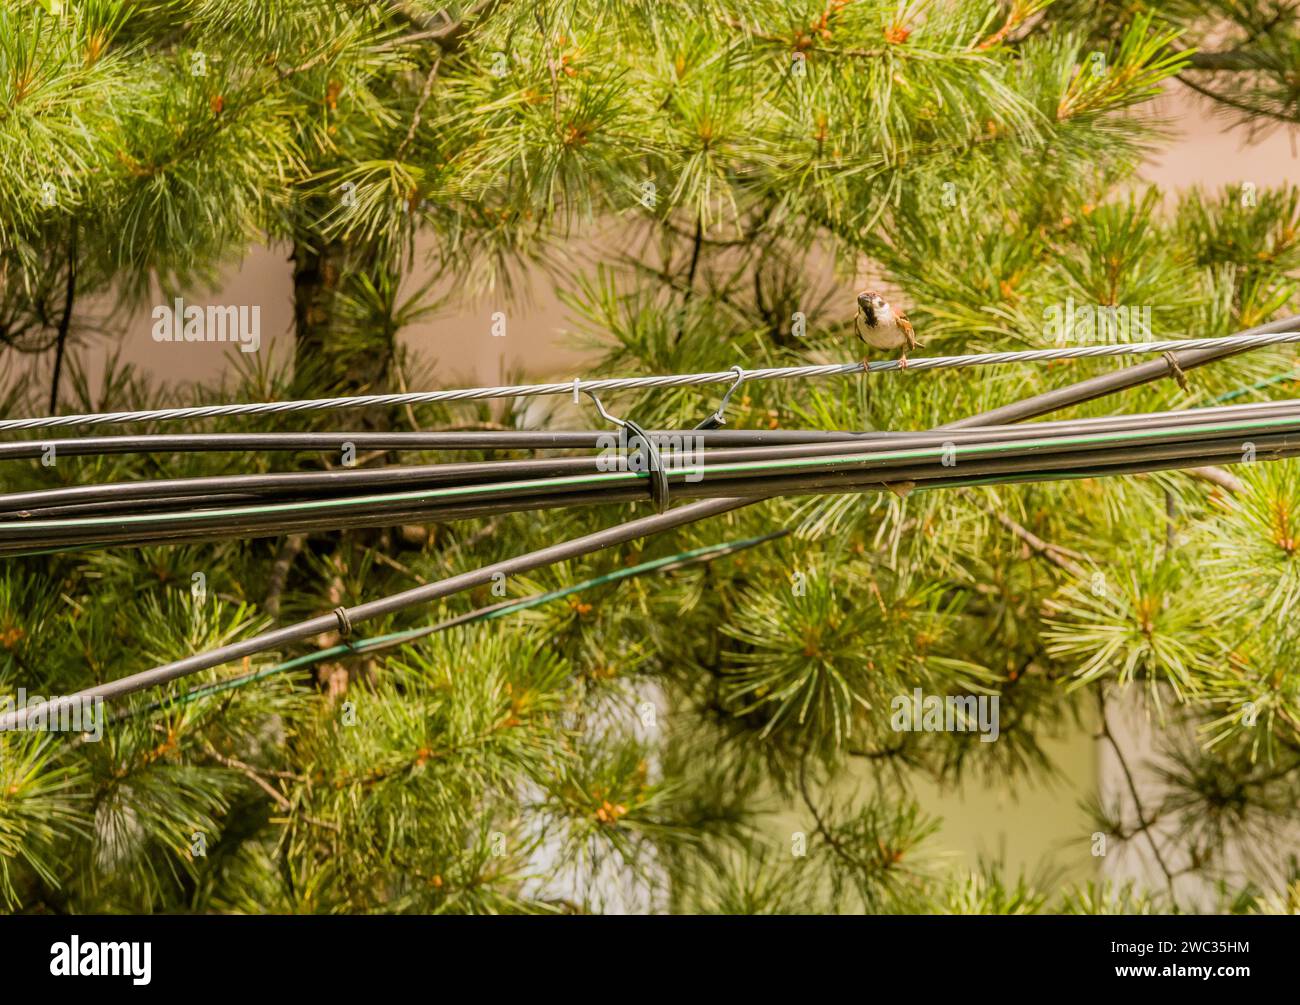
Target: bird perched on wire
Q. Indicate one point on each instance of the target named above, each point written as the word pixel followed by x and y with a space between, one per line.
pixel 882 327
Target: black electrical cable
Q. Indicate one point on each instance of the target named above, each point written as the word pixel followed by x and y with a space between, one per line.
pixel 1116 380
pixel 849 476
pixel 177 443
pixel 520 489
pixel 163 534
pixel 127 507
pixel 301 486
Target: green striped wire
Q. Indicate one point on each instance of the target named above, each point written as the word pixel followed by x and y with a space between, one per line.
pixel 708 552
pixel 1259 385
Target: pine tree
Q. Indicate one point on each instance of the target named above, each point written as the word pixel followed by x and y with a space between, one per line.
pixel 975 156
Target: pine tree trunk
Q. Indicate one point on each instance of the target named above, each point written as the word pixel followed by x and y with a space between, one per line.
pixel 332 354
pixel 316 275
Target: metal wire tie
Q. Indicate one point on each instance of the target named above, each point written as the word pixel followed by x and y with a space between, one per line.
pixel 659 491
pixel 718 418
pixel 1176 371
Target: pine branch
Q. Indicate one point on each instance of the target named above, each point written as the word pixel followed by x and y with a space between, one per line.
pixel 448 35
pixel 65 319
pixel 289 550
pixel 1144 823
pixel 425 92
pixel 1061 557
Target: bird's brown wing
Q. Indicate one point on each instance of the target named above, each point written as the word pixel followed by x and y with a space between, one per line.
pixel 908 331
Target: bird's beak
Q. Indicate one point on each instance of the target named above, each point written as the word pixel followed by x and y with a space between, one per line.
pixel 864 303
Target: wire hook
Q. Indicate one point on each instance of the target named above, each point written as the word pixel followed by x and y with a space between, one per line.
pixel 601 409
pixel 719 418
pixel 1176 371
pixel 659 491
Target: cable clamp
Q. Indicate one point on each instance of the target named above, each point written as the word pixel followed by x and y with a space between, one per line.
pixel 345 622
pixel 719 417
pixel 658 475
pixel 1176 371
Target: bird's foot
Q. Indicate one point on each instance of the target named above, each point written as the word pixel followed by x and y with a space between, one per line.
pixel 902 361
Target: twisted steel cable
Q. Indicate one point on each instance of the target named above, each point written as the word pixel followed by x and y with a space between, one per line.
pixel 1256 338
pixel 1228 342
pixel 576 386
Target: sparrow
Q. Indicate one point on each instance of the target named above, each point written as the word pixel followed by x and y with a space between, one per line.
pixel 882 327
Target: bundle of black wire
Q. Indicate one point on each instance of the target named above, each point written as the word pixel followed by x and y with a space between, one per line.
pixel 727 463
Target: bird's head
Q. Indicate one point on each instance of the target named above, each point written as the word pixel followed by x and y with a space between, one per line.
pixel 870 301
pixel 873 307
